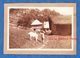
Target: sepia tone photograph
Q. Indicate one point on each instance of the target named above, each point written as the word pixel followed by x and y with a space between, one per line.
pixel 40 28
pixel 35 28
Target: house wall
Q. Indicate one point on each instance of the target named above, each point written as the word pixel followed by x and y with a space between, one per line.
pixel 61 29
pixel 37 27
pixel 64 29
pixel 52 27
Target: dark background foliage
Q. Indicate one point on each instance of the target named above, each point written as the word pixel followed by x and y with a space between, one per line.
pixel 24 17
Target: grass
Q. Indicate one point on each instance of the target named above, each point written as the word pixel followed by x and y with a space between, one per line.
pixel 19 38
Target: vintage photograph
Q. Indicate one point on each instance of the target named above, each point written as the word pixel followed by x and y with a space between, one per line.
pixel 40 28
pixel 35 28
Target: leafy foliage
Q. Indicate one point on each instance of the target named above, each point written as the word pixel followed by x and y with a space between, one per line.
pixel 24 17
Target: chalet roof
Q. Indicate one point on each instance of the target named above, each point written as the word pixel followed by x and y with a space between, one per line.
pixel 36 22
pixel 61 20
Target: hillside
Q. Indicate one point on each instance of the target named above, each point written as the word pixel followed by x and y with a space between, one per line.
pixel 27 16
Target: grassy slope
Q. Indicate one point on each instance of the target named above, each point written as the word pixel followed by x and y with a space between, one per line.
pixel 19 38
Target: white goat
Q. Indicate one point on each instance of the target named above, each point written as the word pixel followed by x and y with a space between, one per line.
pixel 33 34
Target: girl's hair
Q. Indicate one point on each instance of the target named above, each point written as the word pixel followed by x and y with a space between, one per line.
pixel 34 29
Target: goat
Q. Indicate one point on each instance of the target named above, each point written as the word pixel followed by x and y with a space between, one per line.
pixel 33 34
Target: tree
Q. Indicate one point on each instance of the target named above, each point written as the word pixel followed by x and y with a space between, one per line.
pixel 24 17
